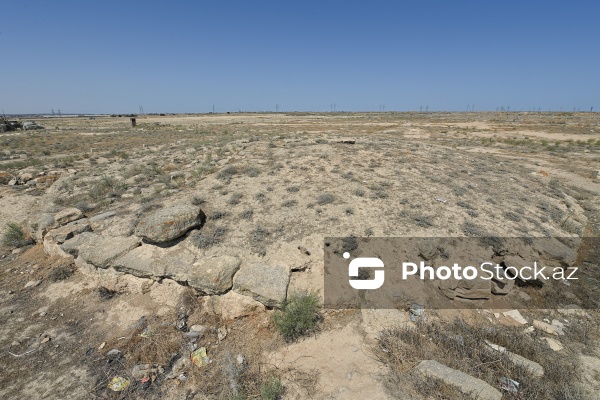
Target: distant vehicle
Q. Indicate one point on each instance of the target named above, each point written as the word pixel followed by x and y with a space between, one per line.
pixel 6 125
pixel 31 125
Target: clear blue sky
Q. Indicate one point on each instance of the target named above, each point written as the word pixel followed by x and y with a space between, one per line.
pixel 184 56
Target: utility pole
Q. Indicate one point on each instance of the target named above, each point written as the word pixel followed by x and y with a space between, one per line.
pixel 59 113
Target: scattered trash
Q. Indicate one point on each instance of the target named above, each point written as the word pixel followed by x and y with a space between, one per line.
pixel 146 379
pixel 222 333
pixel 118 384
pixel 181 323
pixel 441 200
pixel 101 345
pixel 113 352
pixel 416 312
pixel 199 357
pixel 45 340
pixel 146 333
pixel 240 359
pixel 509 385
pixel 565 282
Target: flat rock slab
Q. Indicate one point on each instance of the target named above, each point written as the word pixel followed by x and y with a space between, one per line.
pixel 140 262
pixel 515 315
pixel 66 232
pixel 535 368
pixel 169 223
pixel 265 283
pixel 103 216
pixel 465 383
pixel 213 275
pixel 101 251
pixel 232 305
pixel 544 327
pixel 68 215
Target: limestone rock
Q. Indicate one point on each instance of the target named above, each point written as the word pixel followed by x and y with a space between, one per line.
pixel 476 289
pixel 502 286
pixel 516 316
pixel 535 368
pixel 169 223
pixel 467 384
pixel 232 305
pixel 66 232
pixel 140 262
pixel 544 327
pixel 101 251
pixel 71 246
pixel 553 344
pixel 213 275
pixel 68 215
pixel 265 283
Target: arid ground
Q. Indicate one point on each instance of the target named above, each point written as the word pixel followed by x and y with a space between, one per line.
pixel 90 293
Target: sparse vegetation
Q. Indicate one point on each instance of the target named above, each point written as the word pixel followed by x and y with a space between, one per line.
pixel 14 236
pixel 463 346
pixel 298 316
pixel 325 198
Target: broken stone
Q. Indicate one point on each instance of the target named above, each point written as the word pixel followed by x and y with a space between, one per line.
pixel 32 284
pixel 476 289
pixel 169 223
pixel 535 368
pixel 265 283
pixel 66 232
pixel 68 215
pixel 232 305
pixel 101 251
pixel 103 216
pixel 553 344
pixel 213 275
pixel 502 286
pixel 467 384
pixel 515 316
pixel 544 327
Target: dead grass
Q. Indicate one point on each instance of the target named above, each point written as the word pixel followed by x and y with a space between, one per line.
pixel 462 346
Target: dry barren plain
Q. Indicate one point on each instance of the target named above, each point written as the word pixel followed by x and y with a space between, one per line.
pixel 183 258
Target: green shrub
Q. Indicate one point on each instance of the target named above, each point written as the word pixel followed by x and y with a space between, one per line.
pixel 325 198
pixel 272 389
pixel 13 235
pixel 299 316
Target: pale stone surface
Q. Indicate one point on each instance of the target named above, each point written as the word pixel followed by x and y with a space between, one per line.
pixel 168 223
pixel 213 275
pixel 544 327
pixel 535 368
pixel 553 344
pixel 232 305
pixel 265 283
pixel 465 383
pixel 68 215
pixel 516 316
pixel 101 251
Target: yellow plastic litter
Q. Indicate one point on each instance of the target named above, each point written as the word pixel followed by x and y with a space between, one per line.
pixel 199 357
pixel 147 333
pixel 118 384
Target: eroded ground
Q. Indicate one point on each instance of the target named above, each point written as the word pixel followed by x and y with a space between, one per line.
pixel 272 186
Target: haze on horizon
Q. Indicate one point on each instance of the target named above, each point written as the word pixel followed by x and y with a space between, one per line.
pixel 185 57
